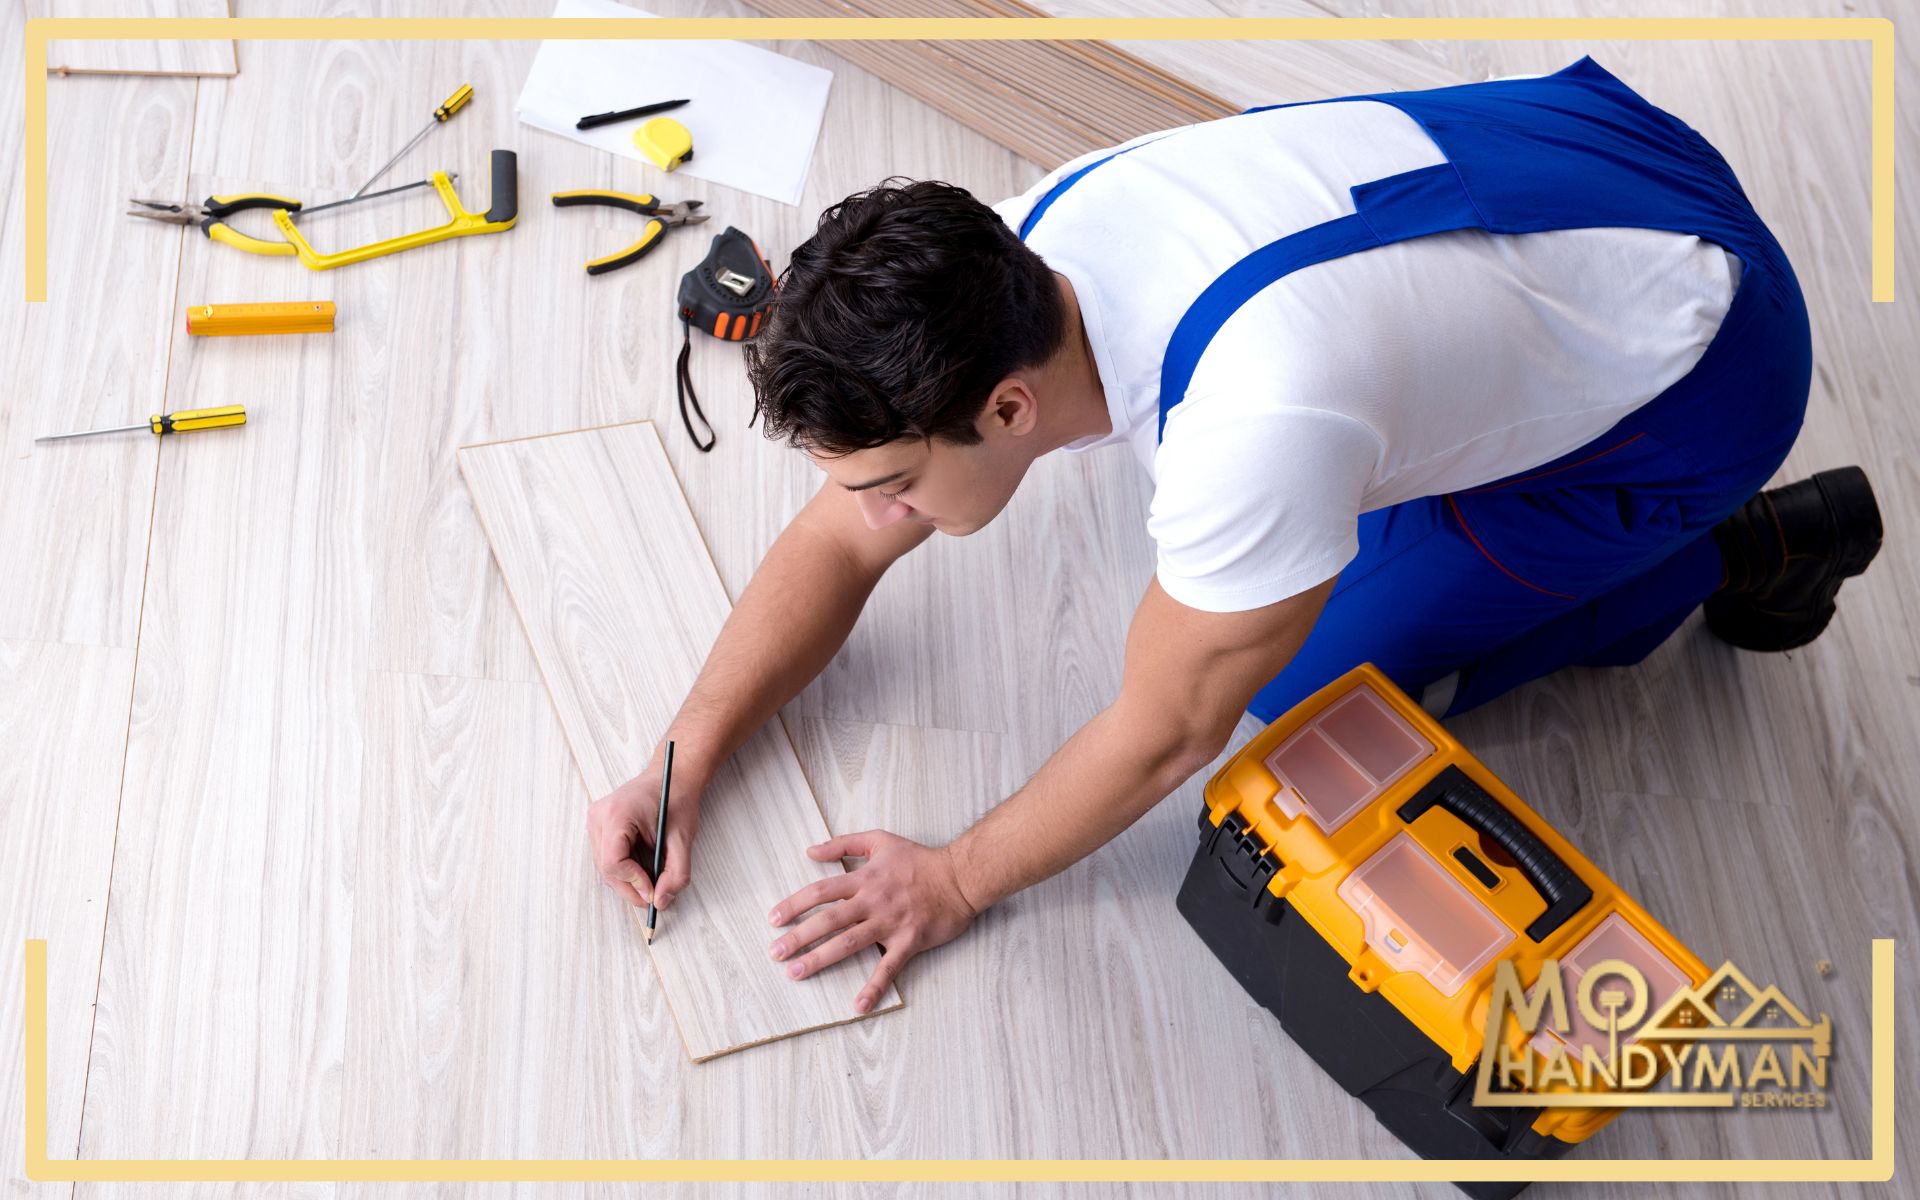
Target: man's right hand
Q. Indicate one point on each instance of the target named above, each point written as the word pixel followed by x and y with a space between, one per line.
pixel 621 826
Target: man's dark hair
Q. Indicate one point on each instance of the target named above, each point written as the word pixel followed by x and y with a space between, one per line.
pixel 896 319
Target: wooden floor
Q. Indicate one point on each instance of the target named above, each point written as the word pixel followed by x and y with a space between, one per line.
pixel 287 797
pixel 600 553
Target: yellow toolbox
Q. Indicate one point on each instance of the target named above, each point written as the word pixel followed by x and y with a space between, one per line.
pixel 1362 875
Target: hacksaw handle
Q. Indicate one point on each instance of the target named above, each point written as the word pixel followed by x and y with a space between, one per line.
pixel 506 187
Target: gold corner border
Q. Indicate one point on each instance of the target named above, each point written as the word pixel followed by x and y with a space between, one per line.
pixel 1878 1168
pixel 1877 30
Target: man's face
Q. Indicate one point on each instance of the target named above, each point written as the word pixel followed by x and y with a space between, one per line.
pixel 956 489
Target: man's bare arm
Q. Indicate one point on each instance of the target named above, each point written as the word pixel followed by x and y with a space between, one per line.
pixel 793 617
pixel 1189 676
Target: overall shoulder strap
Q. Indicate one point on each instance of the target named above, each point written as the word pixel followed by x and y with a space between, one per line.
pixel 1575 149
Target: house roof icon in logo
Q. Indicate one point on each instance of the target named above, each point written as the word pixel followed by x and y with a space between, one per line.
pixel 1770 1008
pixel 1697 1011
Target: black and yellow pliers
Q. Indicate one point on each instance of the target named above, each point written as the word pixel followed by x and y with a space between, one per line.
pixel 664 217
pixel 211 216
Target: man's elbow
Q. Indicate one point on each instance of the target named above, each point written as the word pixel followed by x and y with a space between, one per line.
pixel 1195 748
pixel 1174 741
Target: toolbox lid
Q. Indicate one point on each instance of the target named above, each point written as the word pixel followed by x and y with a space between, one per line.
pixel 1419 918
pixel 1341 760
pixel 1613 938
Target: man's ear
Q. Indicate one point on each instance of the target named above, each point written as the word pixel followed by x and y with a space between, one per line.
pixel 1012 408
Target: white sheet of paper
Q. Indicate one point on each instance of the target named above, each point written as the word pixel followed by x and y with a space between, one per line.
pixel 755 114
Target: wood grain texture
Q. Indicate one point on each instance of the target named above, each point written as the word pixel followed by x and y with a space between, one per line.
pixel 74 515
pixel 63 719
pixel 503 1006
pixel 621 603
pixel 212 57
pixel 250 739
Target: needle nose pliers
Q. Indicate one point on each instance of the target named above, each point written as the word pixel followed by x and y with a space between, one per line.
pixel 211 216
pixel 661 217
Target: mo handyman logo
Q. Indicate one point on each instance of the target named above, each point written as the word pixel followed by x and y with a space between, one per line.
pixel 1607 1042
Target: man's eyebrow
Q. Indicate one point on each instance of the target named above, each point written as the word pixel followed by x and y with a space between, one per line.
pixel 874 483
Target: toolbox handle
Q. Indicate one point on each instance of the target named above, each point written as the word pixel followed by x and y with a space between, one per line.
pixel 1549 874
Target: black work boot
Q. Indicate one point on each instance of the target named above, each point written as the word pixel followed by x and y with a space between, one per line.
pixel 1786 552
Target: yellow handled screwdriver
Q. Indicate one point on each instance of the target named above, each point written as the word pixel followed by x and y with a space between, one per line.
pixel 450 106
pixel 162 423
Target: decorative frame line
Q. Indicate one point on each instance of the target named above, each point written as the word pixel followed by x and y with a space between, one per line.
pixel 1876 30
pixel 1878 1168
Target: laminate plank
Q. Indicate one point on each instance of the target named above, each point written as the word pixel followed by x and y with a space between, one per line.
pixel 74 514
pixel 226 967
pixel 211 57
pixel 64 721
pixel 621 603
pixel 498 1008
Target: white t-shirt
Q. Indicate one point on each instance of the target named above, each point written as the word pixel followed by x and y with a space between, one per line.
pixel 1423 367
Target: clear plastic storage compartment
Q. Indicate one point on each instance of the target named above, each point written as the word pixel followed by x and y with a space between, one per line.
pixel 1341 760
pixel 1613 938
pixel 1419 918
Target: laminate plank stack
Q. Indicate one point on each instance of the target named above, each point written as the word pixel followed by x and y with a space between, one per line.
pixel 621 603
pixel 1046 101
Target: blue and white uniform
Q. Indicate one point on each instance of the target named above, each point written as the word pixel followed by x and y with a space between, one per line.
pixel 1498 354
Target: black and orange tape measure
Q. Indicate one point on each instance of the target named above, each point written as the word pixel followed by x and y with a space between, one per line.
pixel 728 297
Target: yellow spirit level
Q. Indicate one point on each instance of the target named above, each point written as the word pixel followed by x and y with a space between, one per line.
pixel 230 320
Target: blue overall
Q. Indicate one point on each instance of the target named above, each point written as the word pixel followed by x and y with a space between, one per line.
pixel 1595 557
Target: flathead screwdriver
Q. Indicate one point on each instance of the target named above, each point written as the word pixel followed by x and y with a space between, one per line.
pixel 185 421
pixel 448 107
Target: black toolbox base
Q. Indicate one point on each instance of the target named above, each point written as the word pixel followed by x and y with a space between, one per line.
pixel 1359 1038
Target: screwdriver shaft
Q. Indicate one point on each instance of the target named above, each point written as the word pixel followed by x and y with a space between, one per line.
pixel 361 194
pixel 441 115
pixel 57 437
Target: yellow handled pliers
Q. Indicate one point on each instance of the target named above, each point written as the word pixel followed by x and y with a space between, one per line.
pixel 211 216
pixel 662 218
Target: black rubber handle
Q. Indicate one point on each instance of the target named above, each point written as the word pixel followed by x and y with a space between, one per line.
pixel 1549 874
pixel 222 206
pixel 506 187
pixel 643 203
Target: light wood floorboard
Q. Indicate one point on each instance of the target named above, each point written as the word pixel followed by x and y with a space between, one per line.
pixel 64 721
pixel 73 515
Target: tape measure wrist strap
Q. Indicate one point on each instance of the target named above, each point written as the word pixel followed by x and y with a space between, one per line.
pixel 683 388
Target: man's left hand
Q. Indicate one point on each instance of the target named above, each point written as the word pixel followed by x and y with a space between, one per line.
pixel 905 898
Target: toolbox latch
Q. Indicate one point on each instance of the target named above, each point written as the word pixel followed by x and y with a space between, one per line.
pixel 1244 866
